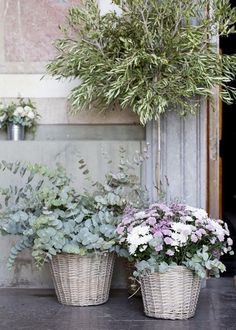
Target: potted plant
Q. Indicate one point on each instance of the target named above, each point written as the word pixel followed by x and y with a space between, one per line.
pixel 74 232
pixel 150 57
pixel 17 116
pixel 173 246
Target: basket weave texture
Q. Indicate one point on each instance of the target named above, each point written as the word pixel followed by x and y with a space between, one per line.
pixel 82 280
pixel 170 295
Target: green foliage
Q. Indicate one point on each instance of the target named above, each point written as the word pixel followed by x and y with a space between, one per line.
pixel 37 209
pixel 201 261
pixel 51 217
pixel 156 56
pixel 21 245
pixel 122 187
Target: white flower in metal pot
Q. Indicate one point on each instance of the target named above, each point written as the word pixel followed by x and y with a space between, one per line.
pixel 18 111
pixel 31 115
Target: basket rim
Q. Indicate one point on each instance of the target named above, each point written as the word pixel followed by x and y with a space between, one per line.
pixel 90 254
pixel 176 268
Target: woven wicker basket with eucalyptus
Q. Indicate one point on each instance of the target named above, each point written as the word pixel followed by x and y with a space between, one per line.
pixel 74 232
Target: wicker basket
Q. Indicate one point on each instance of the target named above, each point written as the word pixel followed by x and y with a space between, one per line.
pixel 171 295
pixel 82 280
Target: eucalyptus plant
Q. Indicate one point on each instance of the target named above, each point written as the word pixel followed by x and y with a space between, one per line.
pixel 156 56
pixel 51 217
pixel 41 202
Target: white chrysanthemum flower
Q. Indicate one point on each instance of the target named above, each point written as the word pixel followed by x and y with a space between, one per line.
pixel 145 239
pixel 24 113
pixel 198 213
pixel 132 238
pixel 27 108
pixel 178 239
pixel 141 230
pixel 181 233
pixel 139 215
pixel 217 227
pixel 18 111
pixel 138 236
pixel 182 228
pixel 30 115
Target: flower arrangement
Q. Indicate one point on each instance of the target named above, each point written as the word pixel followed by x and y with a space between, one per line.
pixel 22 112
pixel 163 236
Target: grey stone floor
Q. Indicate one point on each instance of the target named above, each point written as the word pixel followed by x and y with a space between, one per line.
pixel 27 309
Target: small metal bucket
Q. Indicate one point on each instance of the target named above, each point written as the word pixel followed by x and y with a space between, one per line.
pixel 15 132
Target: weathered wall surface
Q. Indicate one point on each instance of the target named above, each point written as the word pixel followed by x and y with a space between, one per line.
pixel 27 29
pixel 184 158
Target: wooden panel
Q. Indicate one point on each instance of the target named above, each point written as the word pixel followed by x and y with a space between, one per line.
pixel 214 160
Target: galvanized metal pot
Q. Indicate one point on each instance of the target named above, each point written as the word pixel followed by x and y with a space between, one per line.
pixel 15 132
